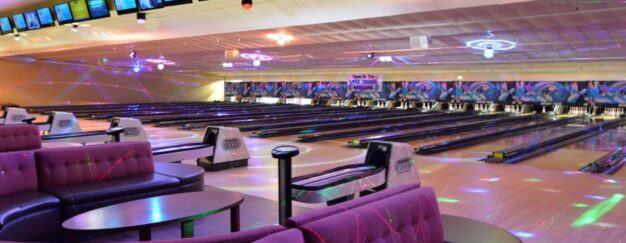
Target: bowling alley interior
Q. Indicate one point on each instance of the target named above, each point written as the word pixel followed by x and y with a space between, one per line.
pixel 236 121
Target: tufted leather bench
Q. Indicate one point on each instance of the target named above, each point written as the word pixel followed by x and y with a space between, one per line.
pixel 410 216
pixel 19 137
pixel 262 234
pixel 25 213
pixel 313 215
pixel 89 177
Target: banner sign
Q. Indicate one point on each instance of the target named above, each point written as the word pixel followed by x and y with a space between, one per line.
pixel 366 81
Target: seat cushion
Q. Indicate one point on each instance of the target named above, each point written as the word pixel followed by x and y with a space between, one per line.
pixel 183 172
pixel 291 236
pixel 19 137
pixel 80 193
pixel 411 216
pixel 17 172
pixel 19 204
pixel 310 216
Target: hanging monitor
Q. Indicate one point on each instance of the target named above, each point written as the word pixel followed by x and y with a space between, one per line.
pixel 32 21
pixel 80 12
pixel 45 17
pixel 5 26
pixel 63 12
pixel 125 6
pixel 150 4
pixel 175 2
pixel 20 22
pixel 98 9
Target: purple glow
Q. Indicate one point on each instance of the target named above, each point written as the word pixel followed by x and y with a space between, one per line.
pixel 596 197
pixel 476 190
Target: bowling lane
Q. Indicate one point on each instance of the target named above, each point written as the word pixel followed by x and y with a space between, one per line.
pixel 577 155
pixel 482 150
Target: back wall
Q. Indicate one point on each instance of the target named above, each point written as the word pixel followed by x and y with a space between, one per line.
pixel 28 83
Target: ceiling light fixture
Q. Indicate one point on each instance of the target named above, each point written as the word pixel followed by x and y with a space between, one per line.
pixel 255 56
pixel 141 18
pixel 160 66
pixel 227 65
pixel 385 59
pixel 75 27
pixel 16 36
pixel 281 38
pixel 489 46
pixel 246 4
pixel 488 53
pixel 132 54
pixel 161 61
pixel 370 55
pixel 256 63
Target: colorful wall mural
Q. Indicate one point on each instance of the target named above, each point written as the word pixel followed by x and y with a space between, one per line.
pixel 601 92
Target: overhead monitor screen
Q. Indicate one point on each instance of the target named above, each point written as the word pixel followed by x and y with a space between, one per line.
pixel 175 2
pixel 45 17
pixel 98 9
pixel 125 6
pixel 63 12
pixel 79 9
pixel 32 21
pixel 150 4
pixel 19 21
pixel 5 25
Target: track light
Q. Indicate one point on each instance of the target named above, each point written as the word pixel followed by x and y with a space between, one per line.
pixel 160 66
pixel 132 54
pixel 385 59
pixel 141 18
pixel 16 36
pixel 256 63
pixel 75 27
pixel 488 52
pixel 227 65
pixel 246 4
pixel 370 55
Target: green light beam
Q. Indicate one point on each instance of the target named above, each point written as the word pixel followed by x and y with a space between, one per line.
pixel 593 214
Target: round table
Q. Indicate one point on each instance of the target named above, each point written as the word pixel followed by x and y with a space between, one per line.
pixel 463 230
pixel 142 214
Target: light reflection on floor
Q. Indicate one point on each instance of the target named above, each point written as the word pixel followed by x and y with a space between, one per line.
pixel 537 205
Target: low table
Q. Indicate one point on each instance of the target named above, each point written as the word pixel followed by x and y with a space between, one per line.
pixel 144 213
pixel 463 230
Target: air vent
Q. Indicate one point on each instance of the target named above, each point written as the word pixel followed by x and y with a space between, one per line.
pixel 420 42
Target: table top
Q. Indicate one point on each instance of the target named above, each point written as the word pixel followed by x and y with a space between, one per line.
pixel 155 210
pixel 463 230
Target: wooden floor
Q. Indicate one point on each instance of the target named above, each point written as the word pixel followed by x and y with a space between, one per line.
pixel 540 200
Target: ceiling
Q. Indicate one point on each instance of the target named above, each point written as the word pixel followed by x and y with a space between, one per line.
pixel 546 31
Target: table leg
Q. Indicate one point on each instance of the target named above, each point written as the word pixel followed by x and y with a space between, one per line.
pixel 234 219
pixel 186 229
pixel 145 234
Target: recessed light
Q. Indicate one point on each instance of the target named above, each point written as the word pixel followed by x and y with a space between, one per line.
pixel 281 38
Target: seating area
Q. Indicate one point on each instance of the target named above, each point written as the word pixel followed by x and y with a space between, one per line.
pixel 402 214
pixel 40 188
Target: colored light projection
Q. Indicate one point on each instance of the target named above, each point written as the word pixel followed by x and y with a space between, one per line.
pixel 601 92
pixel 596 212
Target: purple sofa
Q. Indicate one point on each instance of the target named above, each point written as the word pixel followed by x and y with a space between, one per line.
pixel 19 137
pixel 90 177
pixel 410 216
pixel 310 216
pixel 26 214
pixel 265 234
